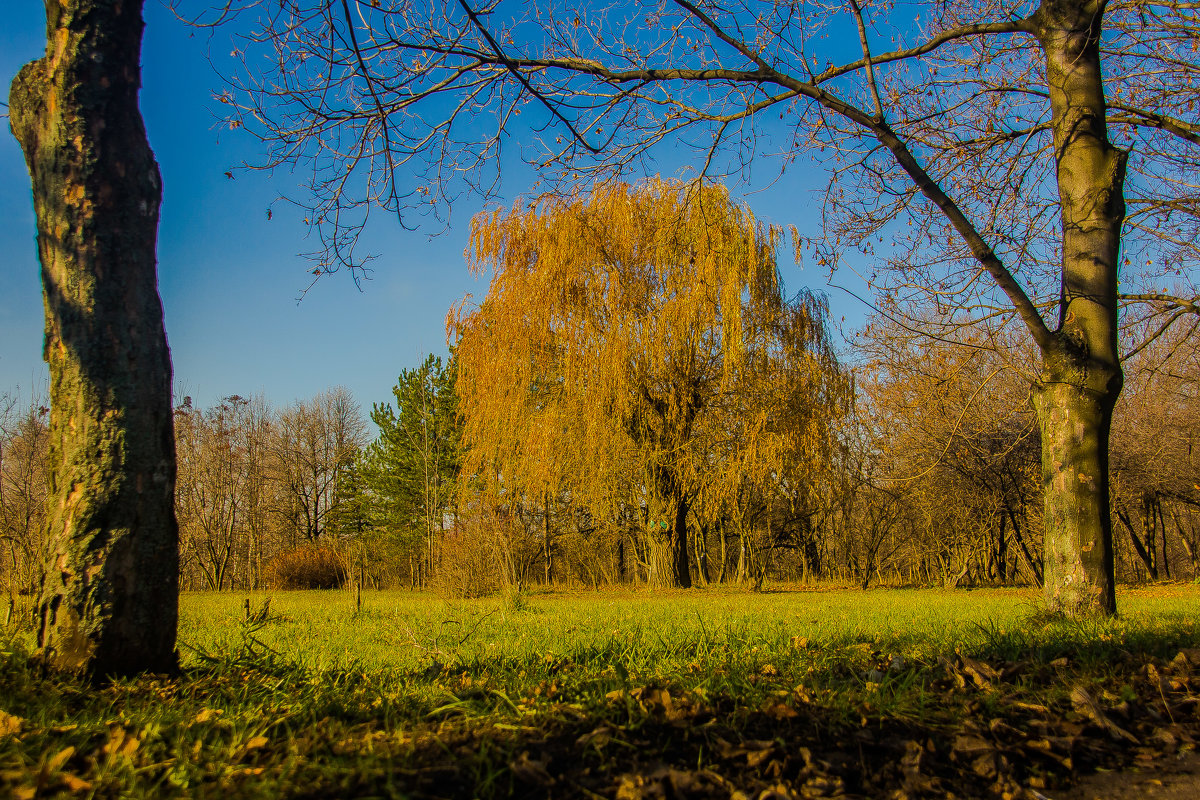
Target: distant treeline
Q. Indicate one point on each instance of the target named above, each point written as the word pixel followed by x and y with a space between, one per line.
pixel 931 476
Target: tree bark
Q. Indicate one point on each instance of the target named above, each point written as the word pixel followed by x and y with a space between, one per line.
pixel 721 576
pixel 1162 526
pixel 683 573
pixel 1078 574
pixel 621 559
pixel 659 560
pixel 109 596
pixel 1081 377
pixel 667 552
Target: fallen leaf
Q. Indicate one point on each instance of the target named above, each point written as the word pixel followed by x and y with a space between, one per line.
pixel 75 783
pixel 120 742
pixel 999 727
pixel 910 762
pixel 981 673
pixel 654 700
pixel 1185 659
pixel 597 738
pixel 1087 705
pixel 687 783
pixel 985 765
pixel 208 715
pixel 1047 748
pixel 634 787
pixel 59 759
pixel 780 711
pixel 9 725
pixel 255 743
pixel 820 786
pixel 971 746
pixel 1036 708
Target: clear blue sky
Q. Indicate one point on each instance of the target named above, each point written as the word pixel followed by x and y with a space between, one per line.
pixel 230 279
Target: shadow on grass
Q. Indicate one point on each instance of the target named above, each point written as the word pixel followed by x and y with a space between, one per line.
pixel 1009 712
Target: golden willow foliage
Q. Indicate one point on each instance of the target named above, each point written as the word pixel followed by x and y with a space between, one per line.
pixel 634 350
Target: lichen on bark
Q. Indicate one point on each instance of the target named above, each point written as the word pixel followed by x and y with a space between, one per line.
pixel 109 596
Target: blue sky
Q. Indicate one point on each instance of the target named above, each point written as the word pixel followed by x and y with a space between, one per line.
pixel 230 279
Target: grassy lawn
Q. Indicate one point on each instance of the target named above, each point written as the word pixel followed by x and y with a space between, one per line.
pixel 408 629
pixel 621 694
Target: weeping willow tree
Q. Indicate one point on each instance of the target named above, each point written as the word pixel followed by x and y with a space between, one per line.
pixel 635 352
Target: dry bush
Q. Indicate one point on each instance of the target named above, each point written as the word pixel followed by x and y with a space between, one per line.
pixel 468 567
pixel 477 557
pixel 308 568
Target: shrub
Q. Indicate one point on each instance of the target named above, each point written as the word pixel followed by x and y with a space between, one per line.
pixel 308 568
pixel 481 556
pixel 470 565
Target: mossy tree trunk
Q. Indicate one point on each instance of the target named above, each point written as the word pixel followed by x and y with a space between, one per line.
pixel 109 595
pixel 1081 377
pixel 667 549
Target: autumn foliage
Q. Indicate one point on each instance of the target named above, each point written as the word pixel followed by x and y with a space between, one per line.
pixel 308 567
pixel 635 357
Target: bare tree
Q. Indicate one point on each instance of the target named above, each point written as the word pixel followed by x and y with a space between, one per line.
pixel 314 442
pixel 221 490
pixel 24 463
pixel 953 430
pixel 988 126
pixel 1156 459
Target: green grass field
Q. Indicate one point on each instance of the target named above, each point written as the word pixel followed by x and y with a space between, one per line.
pixel 618 694
pixel 652 632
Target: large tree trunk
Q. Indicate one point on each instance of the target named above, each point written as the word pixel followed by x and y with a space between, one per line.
pixel 667 552
pixel 109 596
pixel 1081 376
pixel 1078 575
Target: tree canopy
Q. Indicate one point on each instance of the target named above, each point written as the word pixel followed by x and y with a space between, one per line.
pixel 635 351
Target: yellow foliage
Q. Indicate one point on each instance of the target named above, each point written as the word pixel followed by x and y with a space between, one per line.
pixel 634 347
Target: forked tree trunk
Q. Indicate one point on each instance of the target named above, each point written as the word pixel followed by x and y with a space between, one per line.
pixel 109 595
pixel 1081 376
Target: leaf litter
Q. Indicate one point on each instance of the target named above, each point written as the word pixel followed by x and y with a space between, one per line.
pixel 989 728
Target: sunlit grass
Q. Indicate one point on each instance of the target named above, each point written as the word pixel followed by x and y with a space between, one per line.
pixel 318 700
pixel 407 630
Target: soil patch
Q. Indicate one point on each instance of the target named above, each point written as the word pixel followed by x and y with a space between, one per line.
pixel 1174 779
